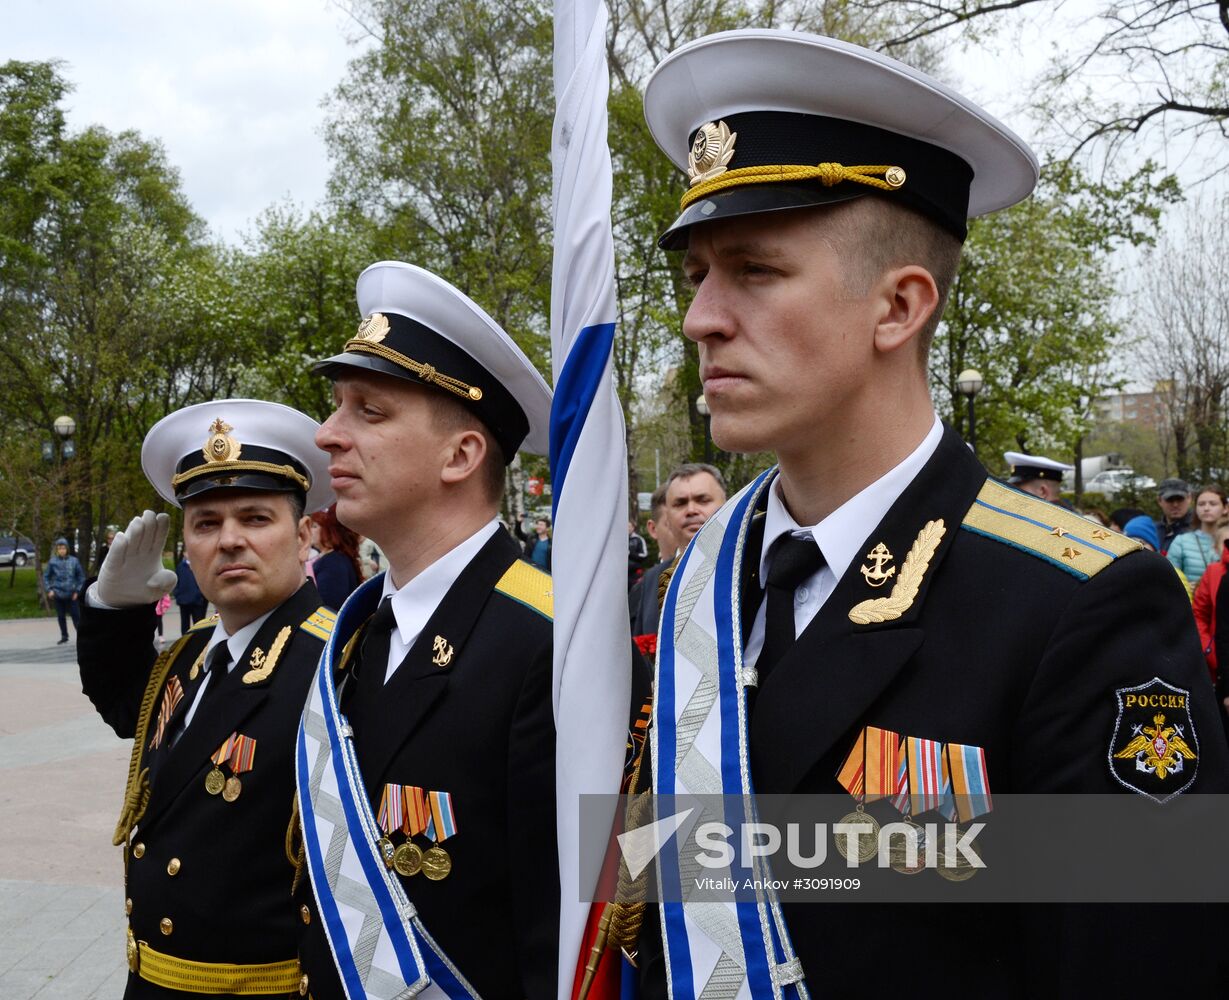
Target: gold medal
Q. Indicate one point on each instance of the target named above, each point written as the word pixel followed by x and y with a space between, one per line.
pixel 233 787
pixel 436 864
pixel 962 871
pixel 408 859
pixel 215 781
pixel 867 840
pixel 898 856
pixel 385 847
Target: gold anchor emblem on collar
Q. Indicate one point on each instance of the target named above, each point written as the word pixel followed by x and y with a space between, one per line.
pixel 443 651
pixel 875 574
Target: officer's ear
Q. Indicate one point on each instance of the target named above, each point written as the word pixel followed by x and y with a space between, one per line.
pixel 906 298
pixel 465 453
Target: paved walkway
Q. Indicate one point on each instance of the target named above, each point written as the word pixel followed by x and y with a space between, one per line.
pixel 62 774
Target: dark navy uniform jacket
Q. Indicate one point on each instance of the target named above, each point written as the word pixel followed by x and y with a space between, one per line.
pixel 1028 622
pixel 482 729
pixel 216 871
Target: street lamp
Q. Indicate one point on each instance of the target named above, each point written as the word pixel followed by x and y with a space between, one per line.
pixel 706 413
pixel 969 383
pixel 64 427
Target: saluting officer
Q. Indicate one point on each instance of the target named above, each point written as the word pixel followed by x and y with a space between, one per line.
pixel 427 754
pixel 878 578
pixel 213 718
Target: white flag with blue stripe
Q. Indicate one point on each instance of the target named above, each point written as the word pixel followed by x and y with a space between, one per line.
pixel 588 457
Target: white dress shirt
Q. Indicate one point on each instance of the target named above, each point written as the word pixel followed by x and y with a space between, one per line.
pixel 838 536
pixel 237 643
pixel 415 603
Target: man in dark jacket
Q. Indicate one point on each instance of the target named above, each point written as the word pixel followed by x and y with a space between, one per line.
pixel 442 666
pixel 1177 517
pixel 192 603
pixel 213 718
pixel 877 578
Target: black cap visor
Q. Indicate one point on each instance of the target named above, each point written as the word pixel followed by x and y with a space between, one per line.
pixel 751 200
pixel 258 482
pixel 497 408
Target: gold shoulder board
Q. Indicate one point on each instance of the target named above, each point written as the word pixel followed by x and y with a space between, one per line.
pixel 320 623
pixel 1072 543
pixel 530 586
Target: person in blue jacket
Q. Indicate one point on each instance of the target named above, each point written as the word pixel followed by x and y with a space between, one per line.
pixel 64 578
pixel 192 603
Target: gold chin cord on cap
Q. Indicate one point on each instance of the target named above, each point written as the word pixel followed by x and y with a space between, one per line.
pixel 220 468
pixel 425 372
pixel 828 174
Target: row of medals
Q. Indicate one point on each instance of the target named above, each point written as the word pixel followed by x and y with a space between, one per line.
pixel 216 782
pixel 867 846
pixel 408 859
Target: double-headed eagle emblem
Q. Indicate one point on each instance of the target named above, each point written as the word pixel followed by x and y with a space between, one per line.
pixel 1158 749
pixel 220 446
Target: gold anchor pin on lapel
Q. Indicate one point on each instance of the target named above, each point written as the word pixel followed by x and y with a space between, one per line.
pixel 875 574
pixel 261 664
pixel 905 590
pixel 443 651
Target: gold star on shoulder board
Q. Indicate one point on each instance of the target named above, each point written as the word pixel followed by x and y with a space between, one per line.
pixel 1100 534
pixel 1070 553
pixel 1058 532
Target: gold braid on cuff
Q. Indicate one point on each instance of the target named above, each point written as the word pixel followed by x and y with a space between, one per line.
pixel 215 468
pixel 828 174
pixel 425 372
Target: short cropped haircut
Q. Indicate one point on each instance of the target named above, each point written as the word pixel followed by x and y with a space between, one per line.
pixel 873 236
pixel 657 502
pixel 451 417
pixel 689 469
pixel 298 504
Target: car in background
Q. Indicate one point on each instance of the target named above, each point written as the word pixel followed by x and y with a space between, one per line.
pixel 24 551
pixel 1114 481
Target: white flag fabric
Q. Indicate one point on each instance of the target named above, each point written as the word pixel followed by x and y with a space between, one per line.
pixel 588 457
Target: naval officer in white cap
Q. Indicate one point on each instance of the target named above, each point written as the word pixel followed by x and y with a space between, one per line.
pixel 860 586
pixel 1038 475
pixel 442 667
pixel 213 717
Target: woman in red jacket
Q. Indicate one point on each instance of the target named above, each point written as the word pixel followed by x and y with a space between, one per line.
pixel 1205 597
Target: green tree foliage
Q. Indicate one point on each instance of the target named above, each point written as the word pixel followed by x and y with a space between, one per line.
pixel 105 289
pixel 1031 309
pixel 297 276
pixel 440 136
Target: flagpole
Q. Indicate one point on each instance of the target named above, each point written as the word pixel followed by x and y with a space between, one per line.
pixel 592 678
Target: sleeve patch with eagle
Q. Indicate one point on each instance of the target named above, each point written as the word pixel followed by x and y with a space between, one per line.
pixel 1154 750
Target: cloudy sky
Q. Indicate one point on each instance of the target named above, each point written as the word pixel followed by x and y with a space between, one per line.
pixel 232 87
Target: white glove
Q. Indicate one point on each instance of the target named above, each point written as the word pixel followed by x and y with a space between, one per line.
pixel 132 573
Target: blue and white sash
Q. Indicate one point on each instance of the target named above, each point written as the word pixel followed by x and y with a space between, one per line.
pixel 718 950
pixel 380 947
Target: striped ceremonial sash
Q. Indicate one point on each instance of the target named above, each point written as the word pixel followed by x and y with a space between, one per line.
pixel 380 947
pixel 715 950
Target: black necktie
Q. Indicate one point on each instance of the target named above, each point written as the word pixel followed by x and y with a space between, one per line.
pixel 216 664
pixel 367 698
pixel 793 560
pixel 373 660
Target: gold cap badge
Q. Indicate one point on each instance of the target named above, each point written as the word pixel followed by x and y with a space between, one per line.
pixel 220 446
pixel 374 328
pixel 711 151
